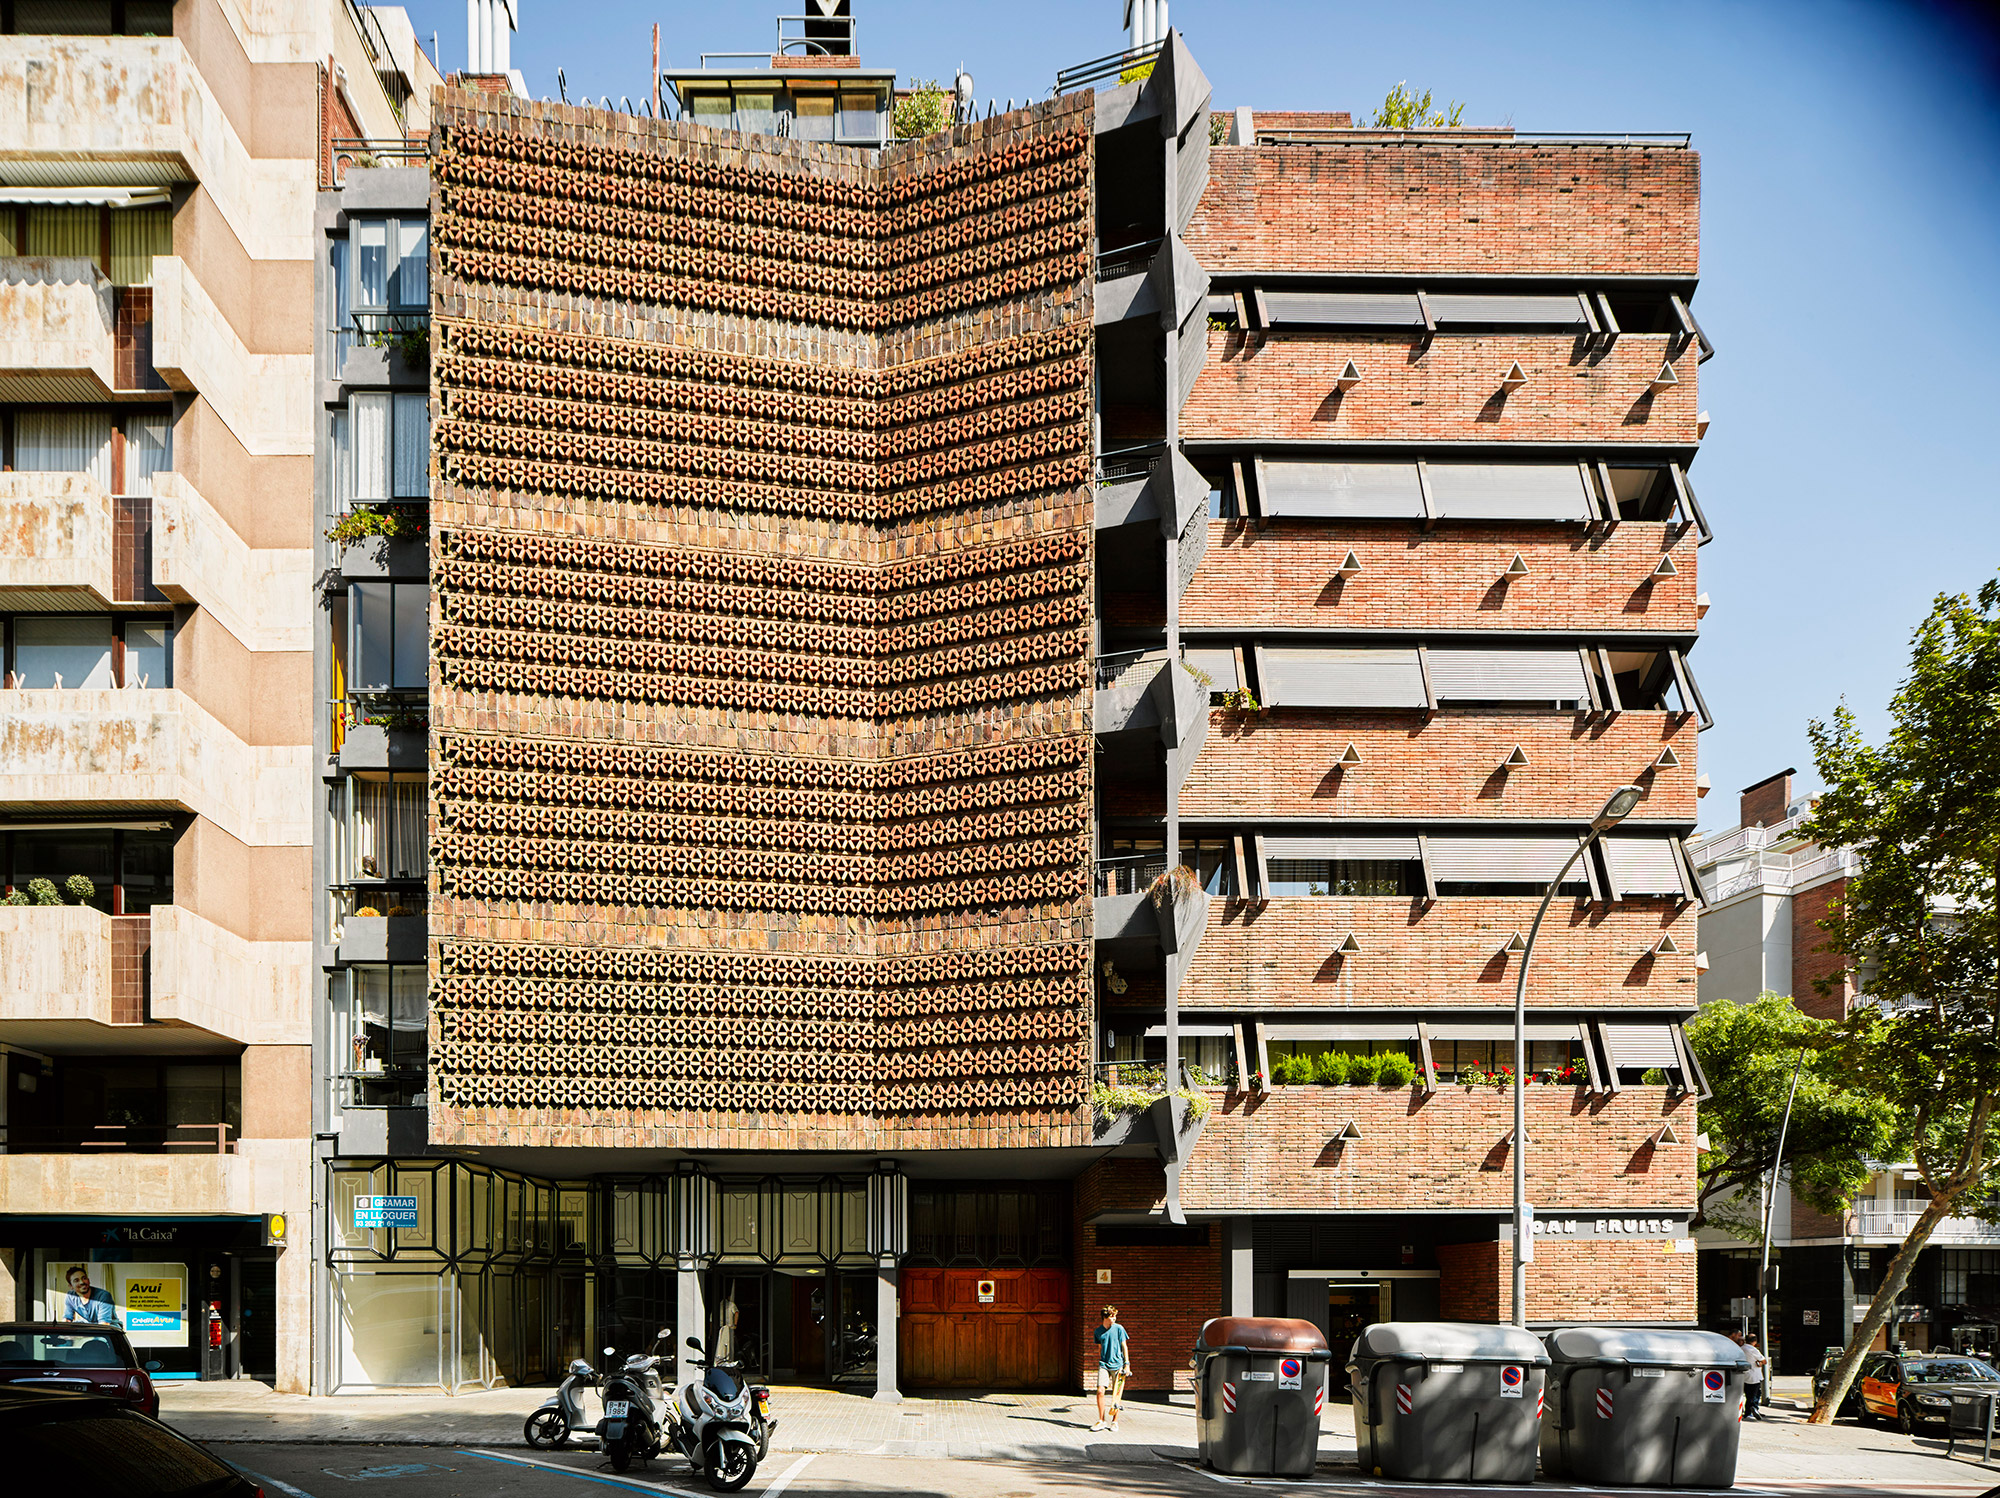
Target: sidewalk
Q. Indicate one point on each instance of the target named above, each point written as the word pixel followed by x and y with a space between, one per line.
pixel 1019 1427
pixel 1030 1428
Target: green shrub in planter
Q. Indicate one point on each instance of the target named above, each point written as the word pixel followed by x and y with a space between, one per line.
pixel 16 897
pixel 1292 1071
pixel 43 892
pixel 80 888
pixel 1398 1070
pixel 1331 1068
pixel 1365 1071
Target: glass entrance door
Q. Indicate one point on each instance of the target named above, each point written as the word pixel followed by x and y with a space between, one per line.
pixel 851 1342
pixel 738 1326
pixel 1350 1308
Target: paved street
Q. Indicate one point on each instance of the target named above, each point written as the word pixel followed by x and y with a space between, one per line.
pixel 839 1446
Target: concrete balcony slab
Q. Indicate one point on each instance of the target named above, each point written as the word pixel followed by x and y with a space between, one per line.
pixel 56 533
pixel 152 748
pixel 57 317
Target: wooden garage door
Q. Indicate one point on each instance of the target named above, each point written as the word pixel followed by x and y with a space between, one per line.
pixel 1019 1340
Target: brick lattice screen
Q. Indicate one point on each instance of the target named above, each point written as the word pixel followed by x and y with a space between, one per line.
pixel 761 697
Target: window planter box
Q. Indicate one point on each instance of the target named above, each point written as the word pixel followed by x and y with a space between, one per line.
pixel 384 938
pixel 368 747
pixel 380 557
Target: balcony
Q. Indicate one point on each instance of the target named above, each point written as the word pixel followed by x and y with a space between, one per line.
pixel 1138 695
pixel 67 965
pixel 153 748
pixel 261 595
pixel 1879 1224
pixel 98 111
pixel 57 540
pixel 120 1183
pixel 58 325
pixel 1156 279
pixel 1151 483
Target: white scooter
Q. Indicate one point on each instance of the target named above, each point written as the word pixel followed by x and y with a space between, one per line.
pixel 720 1424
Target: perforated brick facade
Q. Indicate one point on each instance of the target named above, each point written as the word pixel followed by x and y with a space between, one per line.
pixel 762 739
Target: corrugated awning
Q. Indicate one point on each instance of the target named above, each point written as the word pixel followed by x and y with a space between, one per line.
pixel 84 197
pixel 1641 1046
pixel 1499 860
pixel 1360 491
pixel 1512 310
pixel 1644 866
pixel 1307 676
pixel 1508 491
pixel 1400 849
pixel 1507 676
pixel 1342 309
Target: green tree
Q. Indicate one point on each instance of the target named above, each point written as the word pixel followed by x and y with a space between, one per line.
pixel 924 109
pixel 1403 110
pixel 1922 809
pixel 1837 1128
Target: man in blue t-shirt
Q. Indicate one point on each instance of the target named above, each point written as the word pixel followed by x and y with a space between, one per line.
pixel 85 1302
pixel 1112 1364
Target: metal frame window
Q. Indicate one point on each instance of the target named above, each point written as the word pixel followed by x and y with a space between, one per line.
pixel 87 18
pixel 381 443
pixel 381 1016
pixel 132 867
pixel 388 638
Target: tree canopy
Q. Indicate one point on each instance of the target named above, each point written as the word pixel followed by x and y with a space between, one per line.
pixel 1837 1127
pixel 1919 926
pixel 1403 110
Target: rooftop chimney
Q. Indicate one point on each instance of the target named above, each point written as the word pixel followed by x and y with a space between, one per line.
pixel 1764 803
pixel 490 26
pixel 1145 23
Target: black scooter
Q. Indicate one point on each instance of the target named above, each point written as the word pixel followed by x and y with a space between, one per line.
pixel 633 1413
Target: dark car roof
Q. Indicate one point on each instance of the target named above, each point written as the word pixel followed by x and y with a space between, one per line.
pixel 61 1329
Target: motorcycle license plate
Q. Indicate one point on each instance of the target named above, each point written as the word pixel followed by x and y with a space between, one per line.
pixel 618 1409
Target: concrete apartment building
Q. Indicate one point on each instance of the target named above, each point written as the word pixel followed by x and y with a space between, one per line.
pixel 158 170
pixel 1768 887
pixel 854 580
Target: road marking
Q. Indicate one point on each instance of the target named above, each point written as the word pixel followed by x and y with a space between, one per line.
pixel 628 1483
pixel 283 1487
pixel 783 1480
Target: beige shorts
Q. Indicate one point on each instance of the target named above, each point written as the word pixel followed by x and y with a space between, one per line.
pixel 1111 1383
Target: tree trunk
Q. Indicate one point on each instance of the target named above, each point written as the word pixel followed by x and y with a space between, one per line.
pixel 1878 1309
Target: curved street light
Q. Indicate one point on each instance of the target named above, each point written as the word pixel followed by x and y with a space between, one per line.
pixel 1616 808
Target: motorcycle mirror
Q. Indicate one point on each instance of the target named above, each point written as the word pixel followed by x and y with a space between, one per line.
pixel 695 1343
pixel 611 1352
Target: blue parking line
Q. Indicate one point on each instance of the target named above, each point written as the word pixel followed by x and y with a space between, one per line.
pixel 283 1487
pixel 625 1484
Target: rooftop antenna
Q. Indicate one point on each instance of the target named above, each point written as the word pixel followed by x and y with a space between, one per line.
pixel 656 70
pixel 562 85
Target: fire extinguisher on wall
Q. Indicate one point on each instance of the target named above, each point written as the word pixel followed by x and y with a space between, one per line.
pixel 211 1362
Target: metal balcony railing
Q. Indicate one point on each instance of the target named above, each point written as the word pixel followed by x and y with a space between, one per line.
pixel 1111 668
pixel 1122 465
pixel 1127 259
pixel 1130 875
pixel 811 36
pixel 1109 66
pixel 1898 1222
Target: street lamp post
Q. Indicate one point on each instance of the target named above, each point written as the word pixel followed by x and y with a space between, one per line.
pixel 1615 810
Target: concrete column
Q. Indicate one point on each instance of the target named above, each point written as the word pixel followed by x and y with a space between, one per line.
pixel 886 1335
pixel 690 1318
pixel 1240 1288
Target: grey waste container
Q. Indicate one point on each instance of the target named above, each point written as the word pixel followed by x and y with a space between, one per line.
pixel 1632 1405
pixel 1447 1401
pixel 1260 1385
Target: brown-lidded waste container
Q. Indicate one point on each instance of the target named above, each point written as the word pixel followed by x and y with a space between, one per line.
pixel 1447 1401
pixel 1260 1388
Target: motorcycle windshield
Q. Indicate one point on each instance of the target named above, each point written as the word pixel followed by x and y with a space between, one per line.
pixel 722 1384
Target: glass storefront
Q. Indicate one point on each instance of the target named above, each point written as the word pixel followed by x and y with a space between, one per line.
pixel 455 1275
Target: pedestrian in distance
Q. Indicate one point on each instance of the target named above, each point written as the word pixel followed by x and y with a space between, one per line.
pixel 1113 1361
pixel 1753 1381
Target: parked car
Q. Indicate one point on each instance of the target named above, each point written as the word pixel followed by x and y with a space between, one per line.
pixel 84 1446
pixel 1850 1407
pixel 76 1358
pixel 1914 1389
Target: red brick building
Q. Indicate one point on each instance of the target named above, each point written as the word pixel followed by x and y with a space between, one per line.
pixel 921 636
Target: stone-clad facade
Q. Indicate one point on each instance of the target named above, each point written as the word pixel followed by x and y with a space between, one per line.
pixel 762 578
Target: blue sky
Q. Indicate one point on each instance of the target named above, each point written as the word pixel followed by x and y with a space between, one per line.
pixel 1851 264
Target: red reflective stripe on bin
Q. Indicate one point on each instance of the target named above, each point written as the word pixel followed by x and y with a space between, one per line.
pixel 1604 1404
pixel 1229 1398
pixel 1405 1399
pixel 1538 1404
pixel 1319 1399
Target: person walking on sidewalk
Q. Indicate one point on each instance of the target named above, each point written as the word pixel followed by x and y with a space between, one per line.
pixel 1753 1381
pixel 1112 1364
